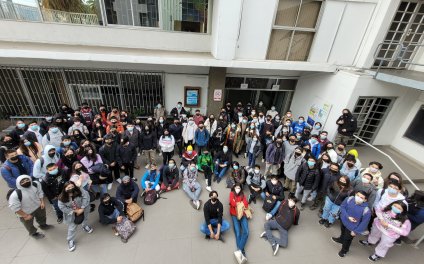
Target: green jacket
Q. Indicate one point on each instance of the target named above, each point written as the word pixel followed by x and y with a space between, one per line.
pixel 205 160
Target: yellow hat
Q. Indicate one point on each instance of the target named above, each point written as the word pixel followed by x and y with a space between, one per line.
pixel 354 152
pixel 189 148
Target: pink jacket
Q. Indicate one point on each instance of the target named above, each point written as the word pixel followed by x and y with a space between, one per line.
pixel 395 228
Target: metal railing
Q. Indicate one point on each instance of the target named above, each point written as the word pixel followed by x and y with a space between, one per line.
pixel 57 16
pixel 400 51
pixel 399 168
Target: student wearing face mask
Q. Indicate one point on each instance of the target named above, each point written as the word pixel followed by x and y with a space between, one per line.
pixel 74 203
pixel 33 132
pixel 260 107
pixel 78 125
pixel 274 157
pixel 176 130
pixel 314 146
pixel 272 193
pixel 159 111
pixel 116 123
pixel 256 182
pixel 354 217
pixel 292 163
pixel 167 143
pixel 337 192
pixel 349 169
pixel 198 118
pixel 171 177
pixel 50 156
pixel 53 136
pixel 322 138
pixel 287 215
pixel 18 131
pixel 127 191
pixel 237 175
pixel 178 110
pixel 90 159
pixel 191 186
pixel 253 149
pixel 240 222
pixel 148 145
pixel 317 129
pixel 283 131
pixel 111 211
pixel 214 225
pixel 290 145
pixel 109 154
pixel 272 112
pixel 150 179
pixel 391 223
pixel 230 134
pixel 126 157
pixel 26 201
pixel 341 152
pixel 189 133
pixel 299 126
pixel 239 137
pixel 52 187
pixel 206 165
pixel 201 137
pixel 160 126
pixel 364 183
pixel 29 148
pixel 374 169
pixel 394 176
pixel 346 126
pixel 388 195
pixel 307 180
pixel 328 176
pixel 267 140
pixel 211 124
pixel 189 155
pixel 223 161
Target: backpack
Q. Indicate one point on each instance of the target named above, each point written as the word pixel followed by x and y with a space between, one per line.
pixel 150 197
pixel 125 229
pixel 134 212
pixel 18 192
pixel 269 203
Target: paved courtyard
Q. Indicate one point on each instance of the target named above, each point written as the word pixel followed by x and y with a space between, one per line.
pixel 170 234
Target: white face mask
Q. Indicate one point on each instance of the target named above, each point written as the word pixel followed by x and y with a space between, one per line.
pixel 373 170
pixel 273 108
pixel 365 180
pixel 291 203
pixel 257 171
pixel 274 182
pixel 225 150
pixel 237 190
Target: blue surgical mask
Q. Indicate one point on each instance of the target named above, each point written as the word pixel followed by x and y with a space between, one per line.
pixel 54 172
pixel 21 126
pixel 27 143
pixel 130 128
pixel 34 128
pixel 193 168
pixel 300 121
pixel 54 130
pixel 66 143
pixel 171 165
pixel 317 127
pixel 392 191
pixel 313 140
pixel 311 163
pixel 235 167
pixel 396 210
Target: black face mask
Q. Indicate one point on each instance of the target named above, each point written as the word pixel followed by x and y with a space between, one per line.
pixel 70 190
pixel 79 170
pixel 340 149
pixel 297 154
pixel 51 155
pixel 334 171
pixel 214 199
pixel 26 184
pixel 14 159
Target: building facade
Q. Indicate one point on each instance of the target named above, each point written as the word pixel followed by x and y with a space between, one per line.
pixel 313 57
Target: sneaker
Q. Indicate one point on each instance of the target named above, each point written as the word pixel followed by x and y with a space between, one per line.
pixel 92 208
pixel 327 224
pixel 221 238
pixel 46 227
pixel 275 248
pixel 118 181
pixel 310 199
pixel 263 160
pixel 364 242
pixel 138 155
pixel 38 235
pixel 398 242
pixel 254 200
pixel 237 255
pixel 198 204
pixel 109 186
pixel 71 245
pixel 207 237
pixel 134 179
pixel 268 216
pixel 124 240
pixel 322 221
pixel 147 166
pixel 218 180
pixel 193 204
pixel 263 235
pixel 250 199
pixel 115 232
pixel 208 188
pixel 142 193
pixel 243 258
pixel 336 240
pixel 88 229
pixel 245 155
pixel 59 220
pixel 341 254
pixel 302 206
pixel 313 207
pixel 374 257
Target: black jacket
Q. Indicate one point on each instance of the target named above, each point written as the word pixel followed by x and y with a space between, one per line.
pixel 308 178
pixel 126 154
pixel 109 154
pixel 326 179
pixel 176 131
pixel 148 141
pixel 106 210
pixel 277 190
pixel 213 211
pixel 174 112
pixel 124 192
pixel 337 195
pixel 53 185
pixel 224 157
pixel 16 134
pixel 135 137
pixel 170 177
pixel 349 124
pixel 286 216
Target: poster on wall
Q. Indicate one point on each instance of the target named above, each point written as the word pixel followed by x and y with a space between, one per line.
pixel 191 96
pixel 319 112
pixel 217 95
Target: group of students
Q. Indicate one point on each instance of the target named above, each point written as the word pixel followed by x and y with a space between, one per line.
pixel 73 157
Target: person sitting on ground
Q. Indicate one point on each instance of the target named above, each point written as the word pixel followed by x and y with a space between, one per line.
pixel 127 191
pixel 111 211
pixel 189 155
pixel 26 201
pixel 214 226
pixel 191 186
pixel 223 161
pixel 240 222
pixel 237 175
pixel 274 189
pixel 170 177
pixel 150 180
pixel 205 164
pixel 256 182
pixel 15 166
pixel 287 215
pixel 354 217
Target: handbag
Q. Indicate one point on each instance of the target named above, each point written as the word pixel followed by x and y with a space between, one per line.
pixel 78 219
pixel 269 203
pixel 242 210
pixel 134 212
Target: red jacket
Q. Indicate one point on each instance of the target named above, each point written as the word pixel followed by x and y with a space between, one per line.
pixel 234 199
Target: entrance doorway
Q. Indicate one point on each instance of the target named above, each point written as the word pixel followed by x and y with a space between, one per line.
pixel 370 113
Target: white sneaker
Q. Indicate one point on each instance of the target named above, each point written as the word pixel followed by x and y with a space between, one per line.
pixel 310 199
pixel 71 245
pixel 109 186
pixel 268 216
pixel 208 188
pixel 147 166
pixel 138 155
pixel 238 255
pixel 263 234
pixel 263 160
pixel 197 204
pixel 275 248
pixel 118 181
pixel 245 155
pixel 243 259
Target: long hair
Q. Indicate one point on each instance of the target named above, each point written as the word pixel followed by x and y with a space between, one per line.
pixel 25 149
pixel 92 156
pixel 402 217
pixel 347 186
pixel 75 164
pixel 64 196
pixel 241 194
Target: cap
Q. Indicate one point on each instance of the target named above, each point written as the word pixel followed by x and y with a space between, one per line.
pixel 189 148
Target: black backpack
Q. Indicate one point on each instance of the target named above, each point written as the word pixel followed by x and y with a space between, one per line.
pixel 18 192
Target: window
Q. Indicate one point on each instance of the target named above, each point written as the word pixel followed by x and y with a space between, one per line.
pixel 415 129
pixel 294 30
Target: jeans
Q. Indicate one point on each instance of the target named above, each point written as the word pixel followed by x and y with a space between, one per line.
pixel 150 184
pixel 241 230
pixel 114 215
pixel 251 160
pixel 330 211
pixel 220 172
pixel 276 206
pixel 39 215
pixel 299 190
pixel 193 195
pixel 284 235
pixel 59 213
pixel 99 188
pixel 214 223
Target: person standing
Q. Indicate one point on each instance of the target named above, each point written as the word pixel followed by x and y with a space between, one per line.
pixel 149 145
pixel 214 226
pixel 176 130
pixel 167 143
pixel 346 126
pixel 307 180
pixel 159 111
pixel 26 201
pixel 201 137
pixel 15 166
pixel 127 155
pixel 274 157
pixel 189 132
pixel 177 111
pixel 109 154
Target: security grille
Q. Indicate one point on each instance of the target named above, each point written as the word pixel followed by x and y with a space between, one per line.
pixel 40 91
pixel 370 113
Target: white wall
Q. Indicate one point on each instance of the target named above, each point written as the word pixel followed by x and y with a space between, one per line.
pixel 255 29
pixel 98 36
pixel 174 89
pixel 331 88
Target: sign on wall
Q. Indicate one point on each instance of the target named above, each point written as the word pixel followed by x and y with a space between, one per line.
pixel 191 96
pixel 319 112
pixel 217 95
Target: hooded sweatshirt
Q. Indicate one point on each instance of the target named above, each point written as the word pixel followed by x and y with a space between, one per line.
pixel 39 171
pixel 54 139
pixel 31 197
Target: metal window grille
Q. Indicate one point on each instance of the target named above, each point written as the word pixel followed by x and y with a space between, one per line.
pixel 407 27
pixel 40 91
